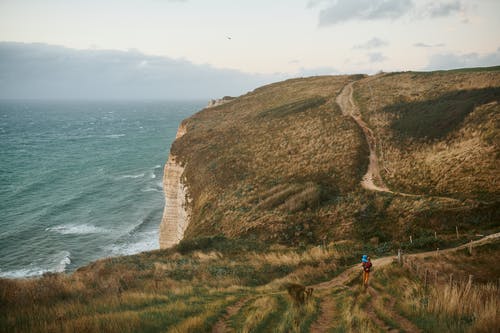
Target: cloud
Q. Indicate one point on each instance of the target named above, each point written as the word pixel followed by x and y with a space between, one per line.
pixel 440 9
pixel 346 10
pixel 376 57
pixel 452 61
pixel 338 11
pixel 428 45
pixel 46 71
pixel 371 44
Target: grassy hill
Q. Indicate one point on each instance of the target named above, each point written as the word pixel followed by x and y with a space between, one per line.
pixel 438 131
pixel 274 183
pixel 265 164
pixel 283 164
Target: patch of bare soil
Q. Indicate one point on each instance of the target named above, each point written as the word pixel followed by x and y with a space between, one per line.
pixel 326 317
pixel 221 326
pixel 372 179
pixel 405 324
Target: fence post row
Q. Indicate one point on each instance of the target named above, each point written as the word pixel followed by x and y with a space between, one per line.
pixel 423 273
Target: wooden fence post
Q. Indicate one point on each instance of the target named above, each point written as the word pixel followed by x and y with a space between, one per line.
pixel 399 257
pixel 411 240
pixel 456 229
pixel 470 247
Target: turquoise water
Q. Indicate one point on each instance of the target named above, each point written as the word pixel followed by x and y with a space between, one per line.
pixel 81 180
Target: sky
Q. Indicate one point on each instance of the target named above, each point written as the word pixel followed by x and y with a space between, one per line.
pixel 229 46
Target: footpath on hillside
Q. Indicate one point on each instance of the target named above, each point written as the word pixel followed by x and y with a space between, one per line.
pixel 327 314
pixel 372 180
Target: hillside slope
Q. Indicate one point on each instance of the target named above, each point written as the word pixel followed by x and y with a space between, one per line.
pixel 264 164
pixel 437 132
pixel 282 163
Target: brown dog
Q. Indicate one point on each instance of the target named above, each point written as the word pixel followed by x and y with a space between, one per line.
pixel 298 292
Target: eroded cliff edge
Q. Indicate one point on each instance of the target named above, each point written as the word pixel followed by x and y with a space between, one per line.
pixel 176 212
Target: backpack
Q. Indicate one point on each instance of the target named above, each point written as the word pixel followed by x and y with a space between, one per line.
pixel 367 266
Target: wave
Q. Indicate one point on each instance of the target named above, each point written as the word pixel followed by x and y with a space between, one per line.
pixel 152 189
pixel 157 170
pixel 114 136
pixel 147 242
pixel 145 222
pixel 57 264
pixel 156 187
pixel 63 263
pixel 139 175
pixel 77 229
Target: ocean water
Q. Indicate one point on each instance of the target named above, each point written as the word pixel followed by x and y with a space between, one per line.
pixel 81 180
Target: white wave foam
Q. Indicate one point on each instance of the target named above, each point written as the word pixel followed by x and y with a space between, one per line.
pixel 153 172
pixel 139 175
pixel 151 189
pixel 22 273
pixel 114 136
pixel 77 229
pixel 56 264
pixel 63 263
pixel 148 241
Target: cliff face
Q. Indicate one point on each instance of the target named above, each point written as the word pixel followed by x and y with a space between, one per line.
pixel 216 102
pixel 176 212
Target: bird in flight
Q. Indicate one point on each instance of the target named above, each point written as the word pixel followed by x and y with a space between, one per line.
pixel 228 37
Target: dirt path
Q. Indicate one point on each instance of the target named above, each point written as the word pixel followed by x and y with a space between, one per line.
pixel 371 180
pixel 405 324
pixel 221 326
pixel 323 323
pixel 327 307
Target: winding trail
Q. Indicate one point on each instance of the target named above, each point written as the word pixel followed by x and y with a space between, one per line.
pixel 327 316
pixel 222 326
pixel 372 179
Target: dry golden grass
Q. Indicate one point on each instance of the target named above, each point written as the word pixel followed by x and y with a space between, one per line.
pixel 437 132
pixel 257 311
pixel 171 290
pixel 481 302
pixel 281 149
pixel 444 305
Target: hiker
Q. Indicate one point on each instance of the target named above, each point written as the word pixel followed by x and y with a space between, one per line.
pixel 367 265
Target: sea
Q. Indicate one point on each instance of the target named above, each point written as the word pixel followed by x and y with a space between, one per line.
pixel 81 180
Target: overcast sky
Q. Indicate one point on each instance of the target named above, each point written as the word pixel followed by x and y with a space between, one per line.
pixel 250 42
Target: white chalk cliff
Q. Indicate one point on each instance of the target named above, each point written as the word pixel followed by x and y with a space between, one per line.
pixel 216 102
pixel 176 212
